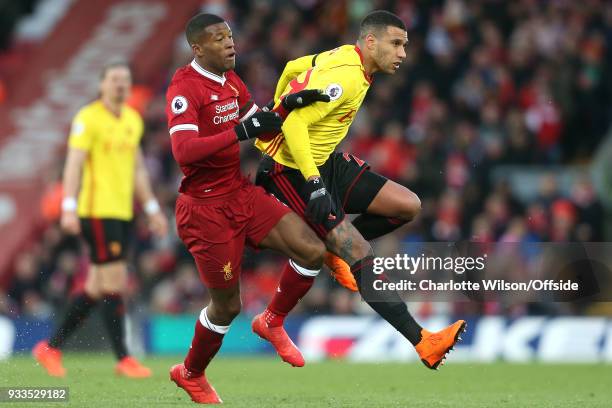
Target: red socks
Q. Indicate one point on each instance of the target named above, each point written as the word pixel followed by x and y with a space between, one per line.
pixel 204 346
pixel 291 288
pixel 208 337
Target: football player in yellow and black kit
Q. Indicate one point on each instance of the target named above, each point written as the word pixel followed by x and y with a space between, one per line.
pixel 104 170
pixel 301 168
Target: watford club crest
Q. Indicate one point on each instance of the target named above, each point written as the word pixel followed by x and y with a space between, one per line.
pixel 115 248
pixel 227 271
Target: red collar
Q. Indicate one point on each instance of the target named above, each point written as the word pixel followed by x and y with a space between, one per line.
pixel 358 51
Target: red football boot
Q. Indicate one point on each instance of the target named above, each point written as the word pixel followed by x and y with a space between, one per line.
pixel 198 387
pixel 131 368
pixel 50 358
pixel 285 348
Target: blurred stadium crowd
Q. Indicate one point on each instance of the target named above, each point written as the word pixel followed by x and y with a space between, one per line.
pixel 486 83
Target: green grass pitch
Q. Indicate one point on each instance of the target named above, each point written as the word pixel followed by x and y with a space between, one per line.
pixel 267 382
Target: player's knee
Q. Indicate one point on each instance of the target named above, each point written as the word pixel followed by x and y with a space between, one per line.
pixel 232 309
pixel 309 250
pixel 92 288
pixel 223 314
pixel 112 276
pixel 410 207
pixel 94 291
pixel 117 285
pixel 315 255
pixel 224 306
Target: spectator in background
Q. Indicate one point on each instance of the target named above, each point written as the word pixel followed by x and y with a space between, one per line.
pixel 3 92
pixel 590 211
pixel 26 280
pixel 10 13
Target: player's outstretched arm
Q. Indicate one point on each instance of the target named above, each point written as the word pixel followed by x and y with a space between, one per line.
pixel 296 100
pixel 188 148
pixel 290 102
pixel 304 98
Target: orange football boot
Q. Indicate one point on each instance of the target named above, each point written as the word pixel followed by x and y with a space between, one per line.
pixel 130 367
pixel 198 387
pixel 50 358
pixel 285 348
pixel 341 271
pixel 433 347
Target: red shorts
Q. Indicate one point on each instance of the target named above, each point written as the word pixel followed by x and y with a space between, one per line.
pixel 216 230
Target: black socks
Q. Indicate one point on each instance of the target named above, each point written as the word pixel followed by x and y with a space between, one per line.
pixel 387 304
pixel 78 311
pixel 113 313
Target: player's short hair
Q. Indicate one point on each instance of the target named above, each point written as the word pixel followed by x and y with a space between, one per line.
pixel 113 63
pixel 195 27
pixel 379 20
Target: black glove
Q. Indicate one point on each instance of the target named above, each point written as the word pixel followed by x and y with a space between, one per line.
pixel 304 98
pixel 259 123
pixel 269 106
pixel 319 201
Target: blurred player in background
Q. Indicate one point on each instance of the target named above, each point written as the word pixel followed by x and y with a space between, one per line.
pixel 301 168
pixel 210 111
pixel 104 169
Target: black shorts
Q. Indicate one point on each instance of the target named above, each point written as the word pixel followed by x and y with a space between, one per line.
pixel 107 238
pixel 347 178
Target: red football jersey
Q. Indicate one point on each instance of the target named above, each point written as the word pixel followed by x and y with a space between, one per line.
pixel 201 101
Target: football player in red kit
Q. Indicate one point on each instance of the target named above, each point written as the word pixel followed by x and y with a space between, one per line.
pixel 210 111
